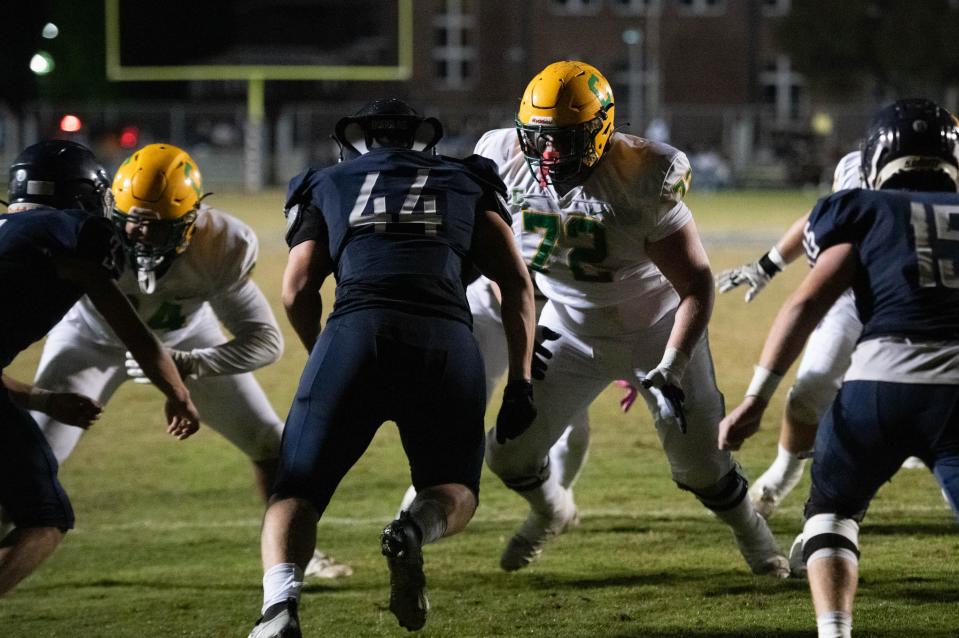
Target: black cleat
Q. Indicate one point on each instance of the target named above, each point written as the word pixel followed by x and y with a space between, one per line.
pixel 278 621
pixel 400 544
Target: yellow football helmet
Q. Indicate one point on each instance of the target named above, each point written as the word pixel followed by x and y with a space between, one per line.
pixel 157 192
pixel 565 121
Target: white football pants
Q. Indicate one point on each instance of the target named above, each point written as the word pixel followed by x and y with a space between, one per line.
pixel 568 454
pixel 582 366
pixel 233 405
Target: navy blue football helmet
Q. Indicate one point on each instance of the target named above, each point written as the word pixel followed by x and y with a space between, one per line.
pixel 60 174
pixel 912 144
pixel 385 122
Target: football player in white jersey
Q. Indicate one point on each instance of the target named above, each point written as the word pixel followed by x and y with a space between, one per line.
pixel 602 222
pixel 824 361
pixel 190 271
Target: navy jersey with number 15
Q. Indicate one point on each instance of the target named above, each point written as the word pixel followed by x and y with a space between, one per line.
pixel 908 248
pixel 398 225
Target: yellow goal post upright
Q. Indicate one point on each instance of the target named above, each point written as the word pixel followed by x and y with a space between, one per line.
pixel 256 75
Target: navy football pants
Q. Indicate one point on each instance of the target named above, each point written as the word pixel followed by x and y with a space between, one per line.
pixel 371 366
pixel 871 428
pixel 30 493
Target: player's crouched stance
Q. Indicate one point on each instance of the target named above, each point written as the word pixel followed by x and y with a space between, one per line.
pixel 395 225
pixel 900 396
pixel 56 246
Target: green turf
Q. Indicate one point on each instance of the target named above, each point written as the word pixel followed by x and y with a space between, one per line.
pixel 167 535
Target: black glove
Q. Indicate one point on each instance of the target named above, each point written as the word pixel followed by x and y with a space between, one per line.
pixel 540 352
pixel 676 397
pixel 517 412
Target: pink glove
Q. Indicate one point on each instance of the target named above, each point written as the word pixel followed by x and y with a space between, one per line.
pixel 627 401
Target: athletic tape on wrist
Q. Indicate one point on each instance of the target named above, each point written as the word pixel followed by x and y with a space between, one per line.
pixel 763 384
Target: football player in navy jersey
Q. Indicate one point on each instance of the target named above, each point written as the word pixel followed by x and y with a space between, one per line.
pixel 897 245
pixel 57 244
pixel 396 225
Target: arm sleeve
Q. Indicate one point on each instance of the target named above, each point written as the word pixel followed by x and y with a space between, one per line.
pixel 257 340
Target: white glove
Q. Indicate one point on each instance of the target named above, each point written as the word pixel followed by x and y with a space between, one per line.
pixel 669 371
pixel 185 364
pixel 757 274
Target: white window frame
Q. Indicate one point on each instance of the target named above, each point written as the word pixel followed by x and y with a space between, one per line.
pixel 575 7
pixel 455 21
pixel 780 8
pixel 637 7
pixel 702 8
pixel 783 78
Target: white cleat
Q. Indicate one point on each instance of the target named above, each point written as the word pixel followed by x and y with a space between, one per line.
pixel 759 547
pixel 527 544
pixel 797 566
pixel 764 499
pixel 323 566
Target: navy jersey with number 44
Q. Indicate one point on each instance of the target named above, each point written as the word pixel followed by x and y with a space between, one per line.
pixel 907 244
pixel 398 225
pixel 33 297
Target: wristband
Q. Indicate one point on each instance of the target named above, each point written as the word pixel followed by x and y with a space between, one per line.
pixel 763 384
pixel 772 262
pixel 39 400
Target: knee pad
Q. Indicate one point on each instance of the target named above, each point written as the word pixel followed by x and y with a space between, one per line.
pixel 521 482
pixel 724 494
pixel 830 535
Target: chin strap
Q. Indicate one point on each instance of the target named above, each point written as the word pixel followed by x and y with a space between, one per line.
pixel 147 281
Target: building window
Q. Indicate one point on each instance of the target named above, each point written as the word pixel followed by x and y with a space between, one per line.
pixel 782 90
pixel 775 7
pixel 454 55
pixel 637 7
pixel 575 7
pixel 703 7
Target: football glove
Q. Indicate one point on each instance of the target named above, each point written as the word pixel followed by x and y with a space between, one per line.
pixel 186 365
pixel 517 412
pixel 666 378
pixel 541 353
pixel 757 274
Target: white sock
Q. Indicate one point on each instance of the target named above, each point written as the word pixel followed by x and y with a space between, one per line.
pixel 834 624
pixel 280 582
pixel 786 470
pixel 430 518
pixel 742 518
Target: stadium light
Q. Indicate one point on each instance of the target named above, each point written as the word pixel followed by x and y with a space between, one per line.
pixel 129 136
pixel 41 63
pixel 50 31
pixel 70 123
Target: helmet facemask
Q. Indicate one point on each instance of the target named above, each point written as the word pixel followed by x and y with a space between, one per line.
pixel 152 243
pixel 559 155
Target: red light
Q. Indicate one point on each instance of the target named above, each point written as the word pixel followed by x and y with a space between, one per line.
pixel 70 124
pixel 129 136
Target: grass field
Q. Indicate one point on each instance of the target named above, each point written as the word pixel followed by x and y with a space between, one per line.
pixel 166 542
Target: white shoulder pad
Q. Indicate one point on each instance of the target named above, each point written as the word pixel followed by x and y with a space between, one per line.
pixel 847 173
pixel 225 245
pixel 497 144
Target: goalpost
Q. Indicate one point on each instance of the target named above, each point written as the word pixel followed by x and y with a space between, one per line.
pixel 256 75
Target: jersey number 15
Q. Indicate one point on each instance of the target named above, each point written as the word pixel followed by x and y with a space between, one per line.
pixel 937 247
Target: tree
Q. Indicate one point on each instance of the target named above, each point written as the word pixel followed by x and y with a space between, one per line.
pixel 892 48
